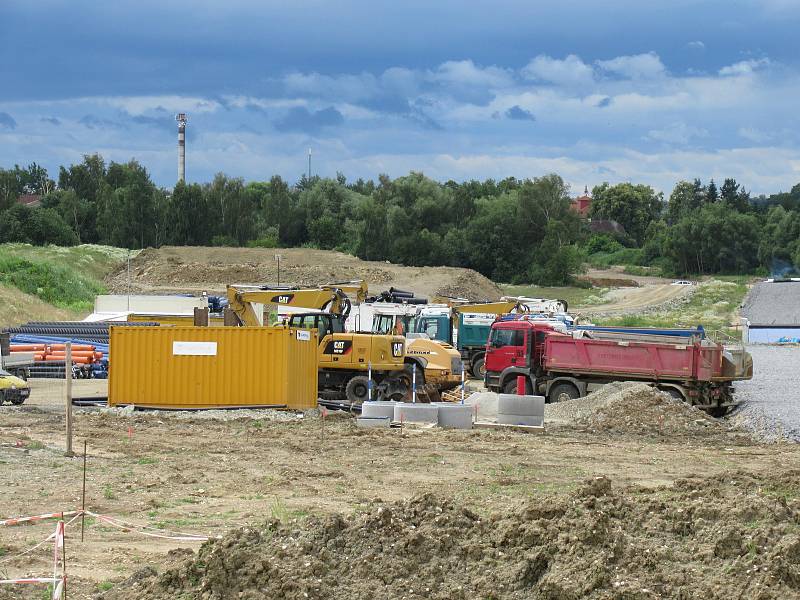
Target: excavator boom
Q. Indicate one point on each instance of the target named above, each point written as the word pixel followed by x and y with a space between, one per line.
pixel 247 301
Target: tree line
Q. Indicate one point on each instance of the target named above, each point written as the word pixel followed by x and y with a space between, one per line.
pixel 510 230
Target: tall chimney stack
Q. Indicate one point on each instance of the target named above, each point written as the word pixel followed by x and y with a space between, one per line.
pixel 181 119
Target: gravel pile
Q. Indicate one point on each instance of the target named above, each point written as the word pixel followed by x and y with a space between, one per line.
pixel 233 414
pixel 631 407
pixel 571 412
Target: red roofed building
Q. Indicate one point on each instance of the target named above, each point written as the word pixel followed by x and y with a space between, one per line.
pixel 30 200
pixel 582 204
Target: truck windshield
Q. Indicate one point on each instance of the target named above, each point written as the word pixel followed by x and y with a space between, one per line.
pixel 507 337
pixel 429 326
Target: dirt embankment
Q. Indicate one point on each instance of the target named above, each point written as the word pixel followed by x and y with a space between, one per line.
pixel 195 269
pixel 732 536
pixel 17 307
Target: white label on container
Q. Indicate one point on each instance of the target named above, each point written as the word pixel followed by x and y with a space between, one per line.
pixel 194 348
pixel 304 335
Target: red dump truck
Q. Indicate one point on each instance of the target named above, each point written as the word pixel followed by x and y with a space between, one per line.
pixel 563 366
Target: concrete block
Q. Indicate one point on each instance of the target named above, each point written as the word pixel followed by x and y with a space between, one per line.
pixel 455 416
pixel 536 421
pixel 373 422
pixel 486 403
pixel 512 404
pixel 378 408
pixel 411 412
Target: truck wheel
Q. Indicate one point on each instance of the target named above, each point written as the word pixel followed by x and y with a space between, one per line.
pixel 2 397
pixel 563 391
pixel 510 386
pixel 478 368
pixel 356 390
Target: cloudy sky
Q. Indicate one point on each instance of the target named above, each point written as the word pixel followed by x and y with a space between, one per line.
pixel 619 90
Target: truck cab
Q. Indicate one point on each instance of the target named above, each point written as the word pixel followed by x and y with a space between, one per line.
pixel 514 348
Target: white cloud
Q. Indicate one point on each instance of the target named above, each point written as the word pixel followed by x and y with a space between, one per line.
pixel 466 72
pixel 751 134
pixel 745 67
pixel 696 45
pixel 569 71
pixel 332 87
pixel 676 133
pixel 637 66
pixel 137 105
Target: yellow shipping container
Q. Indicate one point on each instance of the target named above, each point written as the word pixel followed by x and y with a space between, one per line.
pixel 165 319
pixel 212 367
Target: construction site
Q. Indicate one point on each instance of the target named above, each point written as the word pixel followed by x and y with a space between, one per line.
pixel 356 429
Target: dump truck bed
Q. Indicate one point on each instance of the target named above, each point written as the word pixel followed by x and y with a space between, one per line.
pixel 699 361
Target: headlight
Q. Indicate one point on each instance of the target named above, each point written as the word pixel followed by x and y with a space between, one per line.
pixel 13 387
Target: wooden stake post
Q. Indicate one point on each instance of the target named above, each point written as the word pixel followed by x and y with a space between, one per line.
pixel 68 397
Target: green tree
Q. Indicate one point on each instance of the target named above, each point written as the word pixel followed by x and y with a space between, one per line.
pixel 188 216
pixel 632 206
pixel 711 192
pixel 714 239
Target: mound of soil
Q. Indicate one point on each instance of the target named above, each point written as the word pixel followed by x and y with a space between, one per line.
pixel 732 536
pixel 176 269
pixel 610 282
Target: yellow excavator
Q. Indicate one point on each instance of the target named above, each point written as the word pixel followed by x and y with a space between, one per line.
pixel 344 358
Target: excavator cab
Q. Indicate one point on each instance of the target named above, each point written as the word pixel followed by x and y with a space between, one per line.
pixel 324 323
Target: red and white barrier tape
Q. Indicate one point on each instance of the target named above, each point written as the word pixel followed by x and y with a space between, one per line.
pixel 59 578
pixel 34 519
pixel 31 580
pixel 125 526
pixel 40 544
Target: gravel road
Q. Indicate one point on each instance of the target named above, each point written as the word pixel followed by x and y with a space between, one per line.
pixel 771 400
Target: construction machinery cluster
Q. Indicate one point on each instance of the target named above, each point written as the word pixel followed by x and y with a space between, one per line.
pixel 337 345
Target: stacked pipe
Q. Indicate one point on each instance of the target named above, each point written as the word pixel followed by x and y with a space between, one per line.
pixel 71 330
pixel 81 353
pixel 398 297
pixel 47 339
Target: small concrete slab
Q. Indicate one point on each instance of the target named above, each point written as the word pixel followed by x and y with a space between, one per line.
pixel 516 428
pixel 373 422
pixel 528 420
pixel 382 408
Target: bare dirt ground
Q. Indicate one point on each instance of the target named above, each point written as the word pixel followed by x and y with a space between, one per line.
pixel 195 269
pixel 634 300
pixel 192 474
pixel 632 294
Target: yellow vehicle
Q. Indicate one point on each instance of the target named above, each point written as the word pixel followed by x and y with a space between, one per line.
pixel 438 363
pixel 13 389
pixel 345 359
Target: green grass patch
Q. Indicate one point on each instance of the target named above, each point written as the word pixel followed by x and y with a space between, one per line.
pixel 625 256
pixel 104 586
pixel 147 460
pixel 56 283
pixel 91 260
